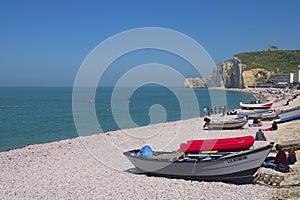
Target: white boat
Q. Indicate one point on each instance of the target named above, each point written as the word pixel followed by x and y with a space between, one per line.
pixel 251 106
pixel 249 114
pixel 224 124
pixel 238 167
pixel 260 114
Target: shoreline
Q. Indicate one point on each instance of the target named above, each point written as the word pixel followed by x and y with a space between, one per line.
pixel 82 167
pixel 256 95
pixel 214 88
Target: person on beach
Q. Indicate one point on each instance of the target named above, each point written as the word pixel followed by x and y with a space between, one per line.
pixel 256 122
pixel 291 156
pixel 210 111
pixel 274 127
pixel 204 111
pixel 223 110
pixel 280 158
pixel 260 136
pixel 260 122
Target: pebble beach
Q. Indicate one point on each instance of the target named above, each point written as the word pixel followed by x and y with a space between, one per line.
pixel 93 167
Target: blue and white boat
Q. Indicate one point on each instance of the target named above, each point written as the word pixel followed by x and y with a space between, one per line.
pixel 261 114
pixel 290 114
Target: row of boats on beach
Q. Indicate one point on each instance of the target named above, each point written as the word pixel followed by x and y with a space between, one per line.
pixel 231 160
pixel 254 111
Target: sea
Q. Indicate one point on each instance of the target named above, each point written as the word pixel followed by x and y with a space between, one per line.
pixel 34 115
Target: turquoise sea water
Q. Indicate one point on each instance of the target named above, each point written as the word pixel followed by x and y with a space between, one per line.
pixel 31 115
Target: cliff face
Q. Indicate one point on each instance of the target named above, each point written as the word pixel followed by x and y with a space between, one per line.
pixel 253 68
pixel 233 74
pixel 256 76
pixel 228 74
pixel 195 83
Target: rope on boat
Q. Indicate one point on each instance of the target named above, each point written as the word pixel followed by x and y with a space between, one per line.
pixel 194 168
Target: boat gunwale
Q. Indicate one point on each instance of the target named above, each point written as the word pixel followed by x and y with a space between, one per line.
pixel 289 110
pixel 259 104
pixel 235 154
pixel 227 122
pixel 223 126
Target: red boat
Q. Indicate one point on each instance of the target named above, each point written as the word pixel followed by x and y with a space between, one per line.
pixel 223 144
pixel 265 105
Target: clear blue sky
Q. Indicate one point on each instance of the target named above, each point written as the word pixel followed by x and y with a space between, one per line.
pixel 43 43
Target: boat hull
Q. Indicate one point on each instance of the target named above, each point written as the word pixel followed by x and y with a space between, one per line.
pixel 219 125
pixel 250 115
pixel 263 114
pixel 230 168
pixel 241 177
pixel 289 115
pixel 265 105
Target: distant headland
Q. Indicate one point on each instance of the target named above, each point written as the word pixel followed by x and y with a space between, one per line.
pixel 270 68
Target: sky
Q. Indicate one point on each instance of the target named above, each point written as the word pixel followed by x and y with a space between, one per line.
pixel 44 43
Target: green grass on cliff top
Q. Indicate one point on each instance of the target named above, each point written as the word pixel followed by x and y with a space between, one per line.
pixel 277 61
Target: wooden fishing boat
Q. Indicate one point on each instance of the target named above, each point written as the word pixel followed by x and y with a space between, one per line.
pixel 222 144
pixel 224 123
pixel 237 167
pixel 251 106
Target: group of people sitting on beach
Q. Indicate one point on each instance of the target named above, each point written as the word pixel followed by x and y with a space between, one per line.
pixel 282 161
pixel 273 127
pixel 259 135
pixel 258 123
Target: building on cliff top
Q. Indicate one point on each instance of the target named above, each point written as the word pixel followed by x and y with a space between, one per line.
pixel 272 48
